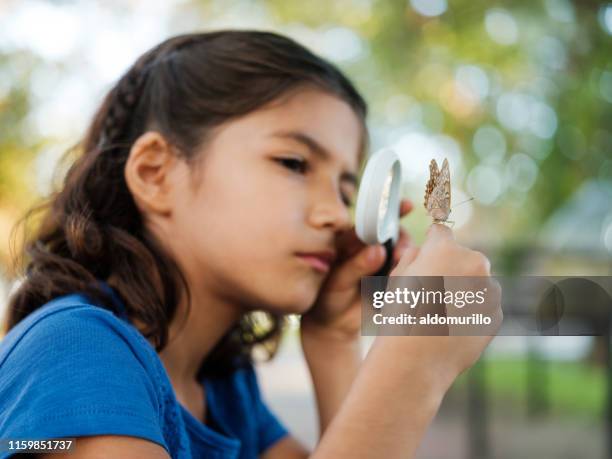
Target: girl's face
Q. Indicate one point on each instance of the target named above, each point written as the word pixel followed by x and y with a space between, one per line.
pixel 269 188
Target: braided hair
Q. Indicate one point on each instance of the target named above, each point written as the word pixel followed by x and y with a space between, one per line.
pixel 91 229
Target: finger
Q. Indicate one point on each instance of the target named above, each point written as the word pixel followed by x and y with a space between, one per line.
pixel 364 263
pixel 438 231
pixel 348 244
pixel 408 256
pixel 406 206
pixel 401 245
pixel 405 255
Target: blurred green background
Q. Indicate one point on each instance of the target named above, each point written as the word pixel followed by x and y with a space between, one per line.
pixel 516 94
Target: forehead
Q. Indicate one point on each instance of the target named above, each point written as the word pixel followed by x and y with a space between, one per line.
pixel 326 118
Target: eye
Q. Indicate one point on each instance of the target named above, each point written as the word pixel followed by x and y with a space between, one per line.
pixel 295 164
pixel 300 166
pixel 347 201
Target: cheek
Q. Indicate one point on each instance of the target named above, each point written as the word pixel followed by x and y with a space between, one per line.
pixel 246 242
pixel 295 294
pixel 254 259
pixel 259 222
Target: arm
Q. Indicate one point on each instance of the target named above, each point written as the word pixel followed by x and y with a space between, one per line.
pixel 110 447
pixel 330 332
pixel 403 379
pixel 286 448
pixel 390 405
pixel 381 416
pixel 333 363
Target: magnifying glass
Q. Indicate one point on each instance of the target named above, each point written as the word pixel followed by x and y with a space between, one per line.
pixel 377 213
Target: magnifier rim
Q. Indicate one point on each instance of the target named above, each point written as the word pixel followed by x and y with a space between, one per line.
pixel 369 227
pixel 388 228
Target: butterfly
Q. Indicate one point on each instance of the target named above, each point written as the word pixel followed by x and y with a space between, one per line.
pixel 438 192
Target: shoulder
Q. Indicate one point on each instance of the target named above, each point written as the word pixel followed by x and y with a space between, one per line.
pixel 70 324
pixel 71 339
pixel 72 368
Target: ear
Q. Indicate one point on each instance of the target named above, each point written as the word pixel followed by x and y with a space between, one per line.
pixel 148 172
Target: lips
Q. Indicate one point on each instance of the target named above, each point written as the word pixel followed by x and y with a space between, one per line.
pixel 320 261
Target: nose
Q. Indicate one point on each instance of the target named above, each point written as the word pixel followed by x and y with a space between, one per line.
pixel 328 210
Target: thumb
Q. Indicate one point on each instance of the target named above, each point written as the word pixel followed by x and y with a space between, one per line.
pixel 364 263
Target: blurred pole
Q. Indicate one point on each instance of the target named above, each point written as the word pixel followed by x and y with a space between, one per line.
pixel 478 443
pixel 608 357
pixel 537 380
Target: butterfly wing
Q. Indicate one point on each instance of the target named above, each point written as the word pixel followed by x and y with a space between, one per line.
pixel 431 183
pixel 438 202
pixel 444 181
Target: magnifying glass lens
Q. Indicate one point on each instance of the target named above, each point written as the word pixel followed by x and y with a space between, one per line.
pixel 384 198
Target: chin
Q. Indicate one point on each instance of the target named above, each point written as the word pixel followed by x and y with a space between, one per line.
pixel 292 294
pixel 293 308
pixel 295 304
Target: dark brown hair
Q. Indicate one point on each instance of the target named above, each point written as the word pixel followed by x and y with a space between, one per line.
pixel 91 229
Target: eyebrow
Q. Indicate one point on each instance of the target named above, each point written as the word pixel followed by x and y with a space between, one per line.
pixel 316 148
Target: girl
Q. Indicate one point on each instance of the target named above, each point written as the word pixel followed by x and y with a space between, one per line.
pixel 210 199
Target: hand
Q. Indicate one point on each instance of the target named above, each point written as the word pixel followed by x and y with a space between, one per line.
pixel 337 310
pixel 441 256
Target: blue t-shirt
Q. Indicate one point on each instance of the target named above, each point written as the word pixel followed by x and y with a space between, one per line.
pixel 72 368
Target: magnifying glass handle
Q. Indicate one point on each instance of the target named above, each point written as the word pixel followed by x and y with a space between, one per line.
pixel 386 267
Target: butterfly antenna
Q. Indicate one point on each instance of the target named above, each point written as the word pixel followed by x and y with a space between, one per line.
pixel 463 202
